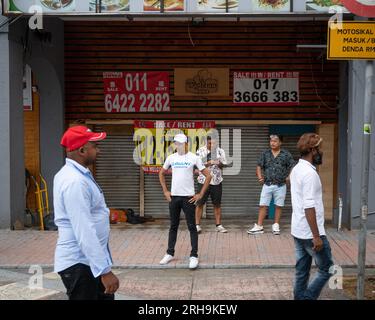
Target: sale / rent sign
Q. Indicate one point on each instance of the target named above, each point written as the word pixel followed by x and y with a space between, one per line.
pixel 351 40
pixel 126 92
pixel 266 88
pixel 154 140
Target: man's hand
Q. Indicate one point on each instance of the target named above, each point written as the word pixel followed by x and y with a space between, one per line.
pixel 110 283
pixel 261 179
pixel 167 195
pixel 317 244
pixel 195 198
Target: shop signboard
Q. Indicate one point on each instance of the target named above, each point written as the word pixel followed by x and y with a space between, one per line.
pixel 154 140
pixel 266 88
pixel 201 82
pixel 77 7
pixel 131 92
pixel 352 40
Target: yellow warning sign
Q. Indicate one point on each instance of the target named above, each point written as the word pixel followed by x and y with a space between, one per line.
pixel 351 40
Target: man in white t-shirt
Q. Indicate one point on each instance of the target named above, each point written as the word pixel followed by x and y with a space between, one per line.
pixel 308 221
pixel 182 195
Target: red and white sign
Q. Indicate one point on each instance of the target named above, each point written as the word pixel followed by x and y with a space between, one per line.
pixel 174 124
pixel 266 88
pixel 362 8
pixel 136 92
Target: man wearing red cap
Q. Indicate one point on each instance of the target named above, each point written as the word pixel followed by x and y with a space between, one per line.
pixel 82 256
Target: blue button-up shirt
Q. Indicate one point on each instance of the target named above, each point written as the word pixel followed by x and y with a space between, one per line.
pixel 82 218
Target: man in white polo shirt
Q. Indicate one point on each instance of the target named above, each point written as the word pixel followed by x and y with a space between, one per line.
pixel 308 220
pixel 182 195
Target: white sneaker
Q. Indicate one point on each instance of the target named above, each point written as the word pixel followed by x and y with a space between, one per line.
pixel 166 259
pixel 199 229
pixel 256 229
pixel 193 263
pixel 276 228
pixel 221 229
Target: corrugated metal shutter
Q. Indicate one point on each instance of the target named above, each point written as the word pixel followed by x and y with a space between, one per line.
pixel 290 144
pixel 155 203
pixel 241 192
pixel 116 172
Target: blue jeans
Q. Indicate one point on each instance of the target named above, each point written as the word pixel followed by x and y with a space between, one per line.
pixel 323 260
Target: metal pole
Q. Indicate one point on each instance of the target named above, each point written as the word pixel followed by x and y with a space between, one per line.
pixel 369 74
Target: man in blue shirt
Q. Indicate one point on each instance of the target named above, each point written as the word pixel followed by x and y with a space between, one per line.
pixel 82 256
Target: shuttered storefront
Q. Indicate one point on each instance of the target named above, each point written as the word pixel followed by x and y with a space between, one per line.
pixel 93 47
pixel 116 172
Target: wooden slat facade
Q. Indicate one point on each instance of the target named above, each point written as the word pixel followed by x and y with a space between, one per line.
pixel 92 47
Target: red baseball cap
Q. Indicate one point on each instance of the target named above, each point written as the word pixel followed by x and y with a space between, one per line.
pixel 77 136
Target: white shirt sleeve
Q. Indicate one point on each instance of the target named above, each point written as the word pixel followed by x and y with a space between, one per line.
pixel 309 184
pixel 199 164
pixel 222 158
pixel 167 163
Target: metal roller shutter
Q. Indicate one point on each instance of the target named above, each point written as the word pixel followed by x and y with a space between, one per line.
pixel 155 203
pixel 116 172
pixel 241 192
pixel 290 144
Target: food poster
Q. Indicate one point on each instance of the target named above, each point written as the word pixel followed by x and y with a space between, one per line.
pixel 111 5
pixel 217 5
pixel 46 5
pixel 55 6
pixel 325 6
pixel 271 5
pixel 169 5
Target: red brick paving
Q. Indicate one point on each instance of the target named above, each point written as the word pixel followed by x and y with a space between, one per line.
pixel 144 246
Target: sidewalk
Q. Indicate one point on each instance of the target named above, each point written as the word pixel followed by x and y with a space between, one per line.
pixel 142 246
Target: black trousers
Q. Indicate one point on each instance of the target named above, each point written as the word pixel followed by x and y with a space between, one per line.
pixel 80 284
pixel 175 207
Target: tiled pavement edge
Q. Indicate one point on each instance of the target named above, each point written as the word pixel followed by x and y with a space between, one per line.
pixel 142 246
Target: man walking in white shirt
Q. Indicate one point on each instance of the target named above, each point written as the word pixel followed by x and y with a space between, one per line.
pixel 213 158
pixel 182 196
pixel 308 220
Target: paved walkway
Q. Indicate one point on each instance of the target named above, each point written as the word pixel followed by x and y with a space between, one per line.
pixel 176 284
pixel 142 246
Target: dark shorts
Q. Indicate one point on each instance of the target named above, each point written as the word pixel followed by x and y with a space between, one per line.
pixel 214 191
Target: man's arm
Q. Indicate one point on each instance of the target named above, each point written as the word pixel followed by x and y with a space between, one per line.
pixel 207 181
pixel 167 193
pixel 311 219
pixel 260 175
pixel 308 187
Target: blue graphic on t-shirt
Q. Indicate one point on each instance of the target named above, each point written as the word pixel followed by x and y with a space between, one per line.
pixel 183 164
